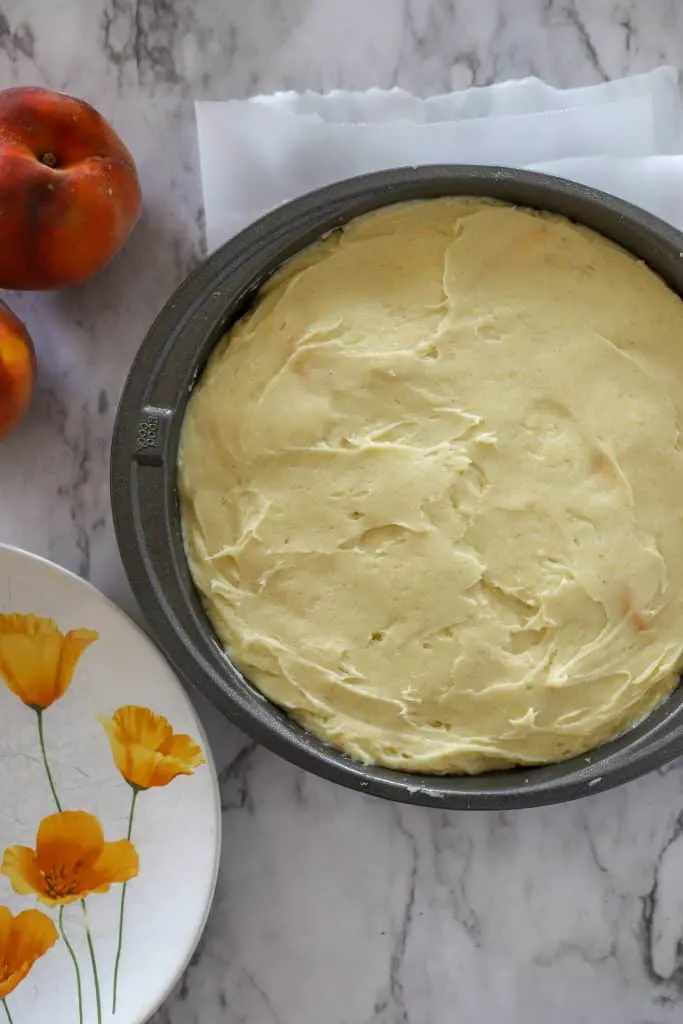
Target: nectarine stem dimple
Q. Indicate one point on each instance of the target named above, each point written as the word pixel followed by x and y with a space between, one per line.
pixel 49 159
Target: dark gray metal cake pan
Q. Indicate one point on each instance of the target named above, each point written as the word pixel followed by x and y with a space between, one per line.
pixel 145 500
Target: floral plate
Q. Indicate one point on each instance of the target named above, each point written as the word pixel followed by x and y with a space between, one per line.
pixel 109 810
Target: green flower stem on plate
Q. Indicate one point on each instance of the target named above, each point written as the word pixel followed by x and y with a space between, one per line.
pixel 93 961
pixel 75 963
pixel 9 1015
pixel 123 906
pixel 41 737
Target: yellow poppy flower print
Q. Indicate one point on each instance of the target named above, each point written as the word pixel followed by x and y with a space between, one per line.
pixel 23 940
pixel 71 860
pixel 146 750
pixel 37 662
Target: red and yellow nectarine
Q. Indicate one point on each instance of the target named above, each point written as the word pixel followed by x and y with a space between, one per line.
pixel 17 369
pixel 69 190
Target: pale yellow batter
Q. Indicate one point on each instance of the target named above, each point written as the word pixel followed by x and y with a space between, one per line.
pixel 432 488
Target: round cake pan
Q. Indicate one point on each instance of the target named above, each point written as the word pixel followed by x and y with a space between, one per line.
pixel 144 477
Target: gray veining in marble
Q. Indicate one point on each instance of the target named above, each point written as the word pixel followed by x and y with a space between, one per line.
pixel 333 908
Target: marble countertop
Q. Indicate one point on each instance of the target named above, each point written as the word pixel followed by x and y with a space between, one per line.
pixel 333 908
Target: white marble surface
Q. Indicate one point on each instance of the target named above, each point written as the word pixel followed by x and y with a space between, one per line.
pixel 333 908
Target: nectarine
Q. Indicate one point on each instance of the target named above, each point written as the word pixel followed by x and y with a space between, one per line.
pixel 17 369
pixel 69 190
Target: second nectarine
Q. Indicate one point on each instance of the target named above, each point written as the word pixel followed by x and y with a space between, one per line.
pixel 17 369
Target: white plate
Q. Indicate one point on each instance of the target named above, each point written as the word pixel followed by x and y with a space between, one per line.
pixel 82 659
